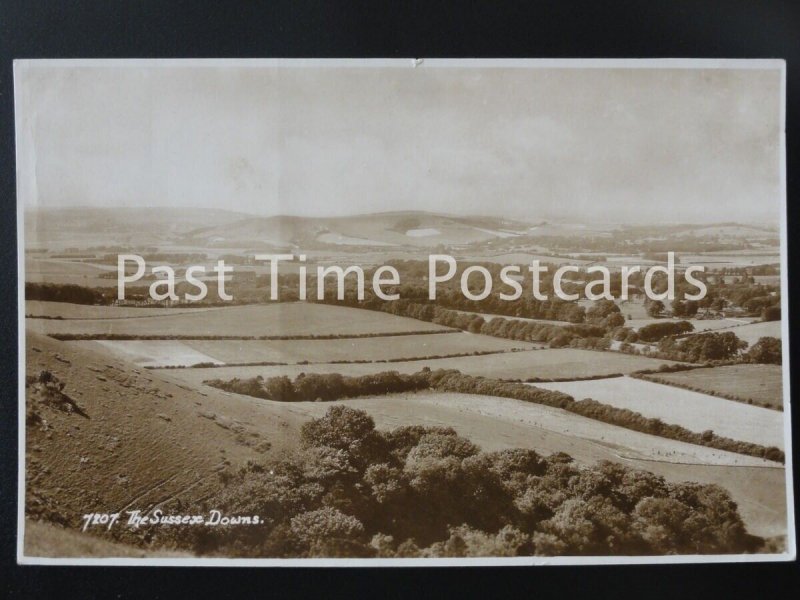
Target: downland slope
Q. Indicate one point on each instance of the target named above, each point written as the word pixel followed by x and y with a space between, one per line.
pixel 116 437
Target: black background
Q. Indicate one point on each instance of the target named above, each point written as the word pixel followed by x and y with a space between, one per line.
pixel 144 28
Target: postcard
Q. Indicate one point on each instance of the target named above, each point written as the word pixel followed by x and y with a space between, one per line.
pixel 402 312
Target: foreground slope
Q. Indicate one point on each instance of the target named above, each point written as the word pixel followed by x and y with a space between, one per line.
pixel 134 440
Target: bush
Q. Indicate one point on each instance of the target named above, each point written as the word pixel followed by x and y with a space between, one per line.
pixel 656 331
pixel 767 350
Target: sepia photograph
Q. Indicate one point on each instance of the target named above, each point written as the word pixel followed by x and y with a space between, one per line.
pixel 373 312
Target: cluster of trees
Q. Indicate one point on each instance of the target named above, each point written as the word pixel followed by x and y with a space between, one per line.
pixel 553 308
pixel 767 350
pixel 661 329
pixel 334 386
pixel 323 387
pixel 64 292
pixel 354 491
pixel 587 334
pixel 702 347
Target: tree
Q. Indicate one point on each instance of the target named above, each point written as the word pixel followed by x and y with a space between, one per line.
pixel 767 350
pixel 684 308
pixel 654 308
pixel 600 310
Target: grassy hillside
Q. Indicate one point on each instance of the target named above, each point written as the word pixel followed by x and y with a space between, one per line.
pixel 131 439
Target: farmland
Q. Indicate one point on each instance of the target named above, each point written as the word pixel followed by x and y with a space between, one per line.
pixel 565 363
pixel 65 310
pixel 155 403
pixel 693 410
pixel 282 319
pixel 761 383
pixel 202 434
pixel 161 353
pixel 751 333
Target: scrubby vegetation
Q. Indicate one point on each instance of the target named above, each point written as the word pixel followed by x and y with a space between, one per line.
pixel 44 388
pixel 702 347
pixel 56 292
pixel 656 331
pixel 354 491
pixel 766 351
pixel 332 386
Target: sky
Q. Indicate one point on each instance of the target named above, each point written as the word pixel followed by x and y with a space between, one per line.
pixel 610 144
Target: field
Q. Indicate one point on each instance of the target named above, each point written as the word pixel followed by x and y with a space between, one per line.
pixel 751 333
pixel 280 319
pixel 729 260
pixel 693 410
pixel 544 364
pixel 762 383
pixel 161 353
pixel 65 310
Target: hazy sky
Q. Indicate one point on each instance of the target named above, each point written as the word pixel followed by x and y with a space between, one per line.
pixel 613 144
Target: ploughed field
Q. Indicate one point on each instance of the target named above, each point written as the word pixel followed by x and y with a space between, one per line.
pixel 693 410
pixel 165 353
pixel 761 383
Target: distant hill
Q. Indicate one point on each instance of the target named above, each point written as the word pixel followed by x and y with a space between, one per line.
pixel 108 226
pixel 215 228
pixel 412 228
pixel 210 227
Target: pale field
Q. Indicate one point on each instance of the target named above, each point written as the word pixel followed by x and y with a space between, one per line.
pixel 65 310
pixel 64 266
pixel 762 383
pixel 150 353
pixel 693 410
pixel 753 332
pixel 164 353
pixel 545 364
pixel 633 308
pixel 718 261
pixel 279 319
pixel 757 486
